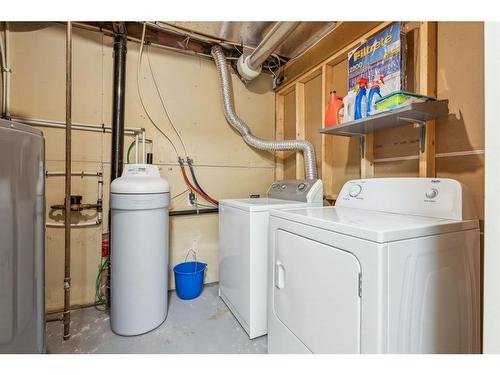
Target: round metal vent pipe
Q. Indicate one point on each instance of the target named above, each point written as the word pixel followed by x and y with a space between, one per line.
pixel 250 66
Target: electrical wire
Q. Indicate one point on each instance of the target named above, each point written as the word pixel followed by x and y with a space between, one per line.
pixel 165 109
pixel 197 189
pixel 139 63
pixel 181 193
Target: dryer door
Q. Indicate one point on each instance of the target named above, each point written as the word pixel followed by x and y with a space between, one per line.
pixel 316 293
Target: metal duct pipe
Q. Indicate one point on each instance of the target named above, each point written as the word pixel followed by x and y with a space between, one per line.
pixel 227 97
pixel 67 182
pixel 250 66
pixel 118 125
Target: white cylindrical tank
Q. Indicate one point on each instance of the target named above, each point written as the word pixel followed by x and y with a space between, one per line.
pixel 139 250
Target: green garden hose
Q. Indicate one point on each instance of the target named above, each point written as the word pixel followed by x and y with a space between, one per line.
pixel 148 141
pixel 100 299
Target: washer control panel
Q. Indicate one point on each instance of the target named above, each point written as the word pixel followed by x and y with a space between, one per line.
pixel 432 197
pixel 432 193
pixel 355 190
pixel 310 191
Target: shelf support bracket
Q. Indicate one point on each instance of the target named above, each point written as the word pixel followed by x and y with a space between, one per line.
pixel 422 124
pixel 423 134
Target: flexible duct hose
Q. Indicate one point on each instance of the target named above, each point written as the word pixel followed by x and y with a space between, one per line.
pixel 269 145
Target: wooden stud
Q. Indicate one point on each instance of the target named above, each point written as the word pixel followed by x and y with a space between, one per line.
pixel 279 156
pixel 300 127
pixel 297 83
pixel 427 77
pixel 326 140
pixel 367 156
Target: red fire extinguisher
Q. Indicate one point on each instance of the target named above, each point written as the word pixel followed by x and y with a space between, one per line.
pixel 332 115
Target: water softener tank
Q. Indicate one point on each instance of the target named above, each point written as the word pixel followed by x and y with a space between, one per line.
pixel 139 250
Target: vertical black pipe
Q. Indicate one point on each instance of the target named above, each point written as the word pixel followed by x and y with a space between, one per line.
pixel 118 125
pixel 120 53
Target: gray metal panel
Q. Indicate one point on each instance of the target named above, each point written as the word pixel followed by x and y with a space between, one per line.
pixel 291 190
pixel 412 113
pixel 251 33
pixel 22 233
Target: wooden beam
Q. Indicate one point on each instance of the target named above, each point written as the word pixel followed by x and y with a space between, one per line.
pixel 158 35
pixel 427 86
pixel 300 127
pixel 326 140
pixel 329 50
pixel 340 36
pixel 279 157
pixel 367 156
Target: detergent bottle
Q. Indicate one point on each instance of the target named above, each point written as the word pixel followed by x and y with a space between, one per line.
pixel 374 90
pixel 361 100
pixel 332 115
pixel 349 102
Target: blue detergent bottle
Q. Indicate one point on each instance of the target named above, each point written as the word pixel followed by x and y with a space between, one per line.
pixel 374 90
pixel 358 106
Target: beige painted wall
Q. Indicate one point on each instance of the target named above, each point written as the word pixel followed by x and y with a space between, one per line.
pixel 227 167
pixel 460 79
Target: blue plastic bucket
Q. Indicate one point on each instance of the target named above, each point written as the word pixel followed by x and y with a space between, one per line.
pixel 189 279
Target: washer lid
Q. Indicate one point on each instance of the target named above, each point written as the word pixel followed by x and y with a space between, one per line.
pixel 140 179
pixel 261 204
pixel 373 225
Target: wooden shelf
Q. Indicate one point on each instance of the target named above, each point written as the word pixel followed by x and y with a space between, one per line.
pixel 413 113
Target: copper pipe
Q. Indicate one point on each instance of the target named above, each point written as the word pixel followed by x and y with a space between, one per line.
pixel 67 181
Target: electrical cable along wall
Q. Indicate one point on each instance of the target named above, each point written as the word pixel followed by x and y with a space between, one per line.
pixel 33 56
pixel 196 188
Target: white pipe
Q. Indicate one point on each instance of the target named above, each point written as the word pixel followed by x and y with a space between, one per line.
pixel 136 148
pixel 250 66
pixel 76 126
pixel 144 148
pixel 77 225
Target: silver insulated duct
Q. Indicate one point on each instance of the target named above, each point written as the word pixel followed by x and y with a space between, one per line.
pixel 227 96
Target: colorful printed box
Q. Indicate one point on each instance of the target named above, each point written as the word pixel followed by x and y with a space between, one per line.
pixel 379 55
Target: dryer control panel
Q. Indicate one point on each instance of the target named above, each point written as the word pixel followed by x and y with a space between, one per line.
pixel 310 191
pixel 432 197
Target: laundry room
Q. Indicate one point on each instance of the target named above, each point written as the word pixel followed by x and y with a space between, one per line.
pixel 248 187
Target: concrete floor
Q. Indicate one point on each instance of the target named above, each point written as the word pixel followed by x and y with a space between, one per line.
pixel 202 325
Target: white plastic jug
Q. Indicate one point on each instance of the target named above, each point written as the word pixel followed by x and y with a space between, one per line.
pixel 349 102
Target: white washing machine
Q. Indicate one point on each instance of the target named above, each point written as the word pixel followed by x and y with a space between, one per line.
pixel 243 239
pixel 392 268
